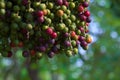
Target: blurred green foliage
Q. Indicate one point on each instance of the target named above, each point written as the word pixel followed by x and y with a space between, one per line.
pixel 100 62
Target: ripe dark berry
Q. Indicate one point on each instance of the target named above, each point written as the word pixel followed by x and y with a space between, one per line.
pixel 25 54
pixel 51 54
pixel 85 4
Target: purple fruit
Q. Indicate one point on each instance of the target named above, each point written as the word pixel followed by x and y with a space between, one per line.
pixel 25 54
pixel 84 43
pixel 67 43
pixel 54 49
pixel 51 41
pixel 65 2
pixel 85 4
pixel 59 2
pixel 77 42
pixel 88 20
pixel 51 54
pixel 82 17
pixel 41 19
pixel 42 48
pixel 66 34
pixel 81 38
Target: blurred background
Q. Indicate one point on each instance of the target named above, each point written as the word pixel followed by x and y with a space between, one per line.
pixel 99 62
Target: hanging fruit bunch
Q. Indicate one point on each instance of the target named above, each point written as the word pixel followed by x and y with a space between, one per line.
pixel 43 27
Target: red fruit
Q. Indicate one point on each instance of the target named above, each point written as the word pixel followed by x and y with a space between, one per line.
pixel 87 13
pixel 49 31
pixel 54 35
pixel 41 19
pixel 9 54
pixel 60 2
pixel 40 13
pixel 80 8
pixel 82 17
pixel 32 52
pixel 12 45
pixel 72 33
pixel 20 44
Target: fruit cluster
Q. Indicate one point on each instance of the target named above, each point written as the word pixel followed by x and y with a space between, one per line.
pixel 41 27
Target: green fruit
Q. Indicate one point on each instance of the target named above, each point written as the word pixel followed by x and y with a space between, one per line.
pixel 78 32
pixel 68 12
pixel 42 6
pixel 63 7
pixel 36 4
pixel 65 29
pixel 69 53
pixel 72 27
pixel 50 5
pixel 73 42
pixel 61 26
pixel 72 17
pixel 9 4
pixel 51 15
pixel 72 5
pixel 48 21
pixel 14 26
pixel 75 50
pixel 2 5
pixel 68 22
pixel 16 8
pixel 65 16
pixel 29 26
pixel 44 27
pixel 2 12
pixel 39 55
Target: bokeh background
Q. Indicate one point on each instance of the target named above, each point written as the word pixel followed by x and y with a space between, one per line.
pixel 100 62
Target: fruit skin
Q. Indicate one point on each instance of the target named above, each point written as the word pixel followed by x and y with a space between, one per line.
pixel 9 54
pixel 51 54
pixel 54 35
pixel 59 2
pixel 87 13
pixel 69 53
pixel 39 13
pixel 60 13
pixel 80 8
pixel 88 39
pixel 25 54
pixel 49 31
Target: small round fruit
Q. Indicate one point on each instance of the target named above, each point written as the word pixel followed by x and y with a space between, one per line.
pixel 2 5
pixel 54 35
pixel 25 54
pixel 73 42
pixel 88 39
pixel 60 13
pixel 50 5
pixel 51 54
pixel 49 30
pixel 72 5
pixel 42 6
pixel 75 50
pixel 2 12
pixel 39 55
pixel 69 53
